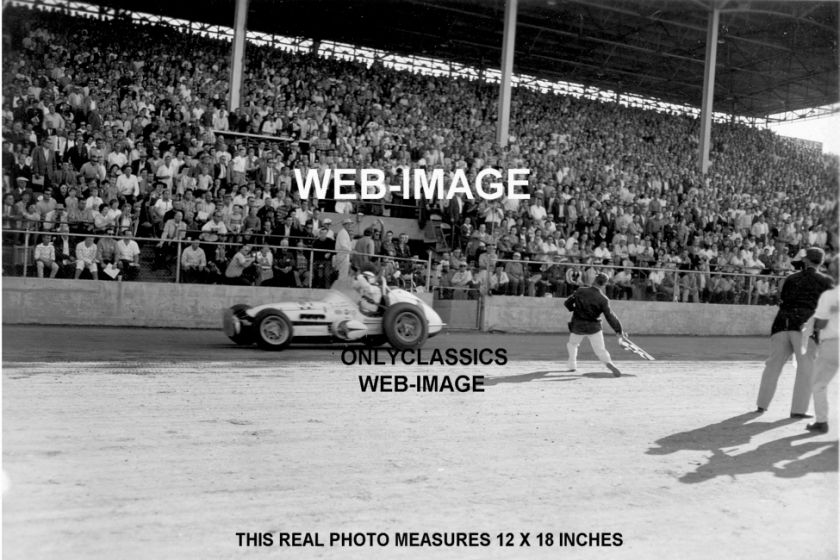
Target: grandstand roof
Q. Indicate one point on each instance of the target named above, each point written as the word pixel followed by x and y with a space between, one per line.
pixel 773 56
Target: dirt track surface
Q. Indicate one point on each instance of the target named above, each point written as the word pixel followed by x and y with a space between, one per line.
pixel 39 343
pixel 117 449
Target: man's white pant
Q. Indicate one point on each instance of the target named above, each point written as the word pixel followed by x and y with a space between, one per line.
pixel 596 340
pixel 783 345
pixel 341 263
pixel 825 368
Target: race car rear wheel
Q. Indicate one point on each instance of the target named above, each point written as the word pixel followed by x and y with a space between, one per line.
pixel 233 316
pixel 405 326
pixel 273 330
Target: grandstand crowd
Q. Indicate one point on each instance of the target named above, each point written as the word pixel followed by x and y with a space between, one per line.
pixel 120 129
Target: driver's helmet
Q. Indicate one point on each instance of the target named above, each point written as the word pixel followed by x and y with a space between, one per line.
pixel 369 276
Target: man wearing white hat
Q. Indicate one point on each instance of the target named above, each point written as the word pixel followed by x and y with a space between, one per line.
pixel 343 246
pixel 327 223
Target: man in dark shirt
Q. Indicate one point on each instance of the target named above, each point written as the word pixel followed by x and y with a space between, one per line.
pixel 323 258
pixel 587 304
pixel 798 299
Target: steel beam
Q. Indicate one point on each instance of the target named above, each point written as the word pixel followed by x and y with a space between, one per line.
pixel 707 108
pixel 508 44
pixel 237 63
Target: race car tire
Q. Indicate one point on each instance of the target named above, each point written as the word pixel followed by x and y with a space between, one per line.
pixel 244 336
pixel 273 330
pixel 375 340
pixel 405 326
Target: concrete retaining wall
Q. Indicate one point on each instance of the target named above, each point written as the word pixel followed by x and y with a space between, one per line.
pixel 134 304
pixel 547 315
pixel 149 304
pixel 137 304
pixel 458 314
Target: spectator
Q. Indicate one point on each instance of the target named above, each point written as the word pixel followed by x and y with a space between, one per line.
pixel 343 247
pixel 264 261
pixel 45 257
pixel 690 287
pixel 760 188
pixel 516 275
pixel 193 263
pixel 215 229
pixel 87 258
pixel 240 268
pixel 128 257
pixel 174 230
pixel 623 284
pixel 462 282
pixel 499 281
pixel 285 274
pixel 363 250
pixel 127 185
pixel 108 253
pixel 322 259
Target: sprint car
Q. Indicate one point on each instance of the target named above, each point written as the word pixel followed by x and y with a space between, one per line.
pixel 403 320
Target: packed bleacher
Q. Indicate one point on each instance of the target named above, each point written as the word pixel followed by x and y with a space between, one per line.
pixel 119 129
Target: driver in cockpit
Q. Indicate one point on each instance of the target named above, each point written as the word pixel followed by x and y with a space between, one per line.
pixel 371 294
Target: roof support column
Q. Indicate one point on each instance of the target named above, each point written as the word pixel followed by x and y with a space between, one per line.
pixel 508 42
pixel 708 89
pixel 237 63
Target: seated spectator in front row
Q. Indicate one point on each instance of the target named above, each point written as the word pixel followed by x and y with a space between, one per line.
pixel 193 263
pixel 667 288
pixel 284 273
pixel 87 258
pixel 499 281
pixel 654 280
pixel 128 257
pixel 690 287
pixel 239 270
pixel 45 257
pixel 623 285
pixel 516 275
pixel 264 261
pixel 722 289
pixel 462 282
pixel 108 254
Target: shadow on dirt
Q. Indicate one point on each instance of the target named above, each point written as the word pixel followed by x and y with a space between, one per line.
pixel 556 375
pixel 783 457
pixel 729 433
pixel 766 458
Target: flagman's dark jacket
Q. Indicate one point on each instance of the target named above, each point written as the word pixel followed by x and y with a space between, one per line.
pixel 587 304
pixel 798 299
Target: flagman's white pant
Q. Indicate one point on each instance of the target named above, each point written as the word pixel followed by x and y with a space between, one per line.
pixel 825 368
pixel 783 345
pixel 596 340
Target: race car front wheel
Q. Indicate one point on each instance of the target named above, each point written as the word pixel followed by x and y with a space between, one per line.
pixel 405 326
pixel 273 330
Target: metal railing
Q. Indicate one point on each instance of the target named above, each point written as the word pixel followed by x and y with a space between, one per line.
pixel 410 273
pixel 539 278
pixel 647 283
